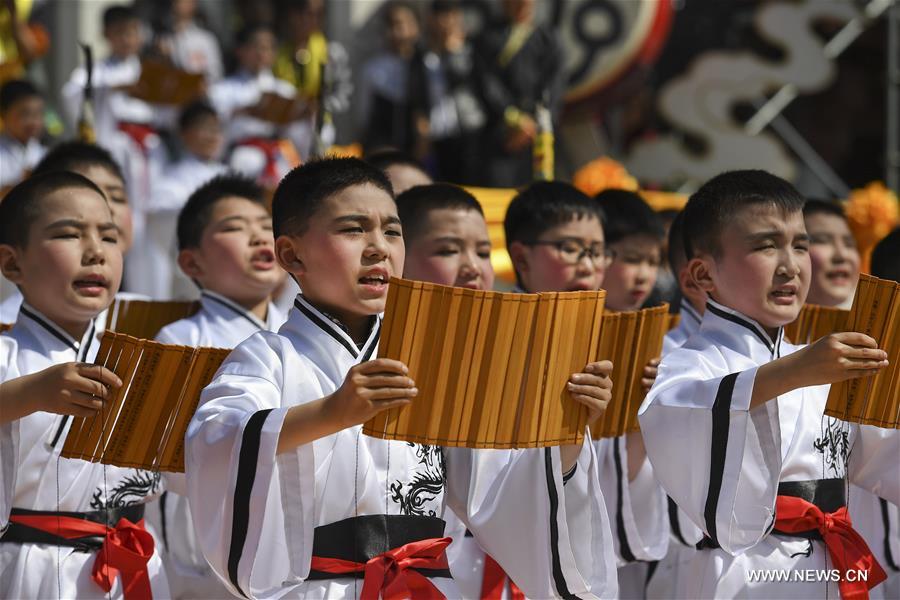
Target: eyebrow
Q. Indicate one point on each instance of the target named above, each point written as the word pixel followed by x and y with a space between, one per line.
pixel 772 234
pixel 79 224
pixel 391 220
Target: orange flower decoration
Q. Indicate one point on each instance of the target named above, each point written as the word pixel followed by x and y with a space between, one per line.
pixel 601 174
pixel 350 151
pixel 872 213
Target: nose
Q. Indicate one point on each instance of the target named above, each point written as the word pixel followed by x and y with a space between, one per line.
pixel 469 270
pixel 377 248
pixel 92 251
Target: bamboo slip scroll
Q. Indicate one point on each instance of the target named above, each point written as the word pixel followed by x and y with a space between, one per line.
pixel 873 400
pixel 144 422
pixel 630 340
pixel 814 322
pixel 144 318
pixel 491 367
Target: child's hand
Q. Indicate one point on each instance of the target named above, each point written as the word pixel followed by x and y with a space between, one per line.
pixel 838 357
pixel 649 374
pixel 77 389
pixel 593 388
pixel 370 388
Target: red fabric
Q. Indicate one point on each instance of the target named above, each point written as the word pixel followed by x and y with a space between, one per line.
pixel 138 132
pixel 271 149
pixel 847 549
pixel 391 574
pixel 126 549
pixel 494 580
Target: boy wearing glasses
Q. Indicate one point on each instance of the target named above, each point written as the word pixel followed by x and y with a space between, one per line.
pixel 556 240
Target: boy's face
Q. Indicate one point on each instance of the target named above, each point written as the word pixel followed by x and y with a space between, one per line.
pixel 403 29
pixel 454 249
pixel 124 38
pixel 236 256
pixel 204 138
pixel 258 53
pixel 764 267
pixel 351 247
pixel 71 267
pixel 25 119
pixel 114 188
pixel 558 262
pixel 834 257
pixel 632 273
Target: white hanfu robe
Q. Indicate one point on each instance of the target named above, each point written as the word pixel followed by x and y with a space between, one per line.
pixel 722 463
pixel 878 521
pixel 220 323
pixel 685 535
pixel 33 476
pixel 257 512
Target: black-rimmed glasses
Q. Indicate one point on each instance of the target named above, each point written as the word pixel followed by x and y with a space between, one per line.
pixel 571 251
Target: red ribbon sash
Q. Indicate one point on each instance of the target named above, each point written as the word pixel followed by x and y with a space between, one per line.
pixel 126 549
pixel 139 133
pixel 495 579
pixel 847 549
pixel 391 574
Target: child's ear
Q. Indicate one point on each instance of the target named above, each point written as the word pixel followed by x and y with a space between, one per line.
pixel 9 264
pixel 518 254
pixel 187 260
pixel 700 275
pixel 287 255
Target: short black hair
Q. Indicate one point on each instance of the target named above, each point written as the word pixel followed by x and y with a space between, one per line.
pixel 627 214
pixel 194 112
pixel 303 190
pixel 675 252
pixel 439 7
pixel 886 257
pixel 246 33
pixel 118 13
pixel 16 90
pixel 194 216
pixel 543 205
pixel 388 157
pixel 815 206
pixel 712 207
pixel 22 205
pixel 75 155
pixel 414 204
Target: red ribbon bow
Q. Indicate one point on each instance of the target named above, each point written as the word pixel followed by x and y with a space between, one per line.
pixel 126 549
pixel 391 574
pixel 495 579
pixel 270 149
pixel 847 549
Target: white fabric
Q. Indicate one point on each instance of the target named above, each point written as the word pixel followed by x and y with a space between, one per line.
pixel 33 475
pixel 220 323
pixel 786 439
pixel 346 474
pixel 16 158
pixel 243 90
pixel 196 50
pixel 878 521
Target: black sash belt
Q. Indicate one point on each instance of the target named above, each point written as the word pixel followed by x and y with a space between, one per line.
pixel 22 534
pixel 828 494
pixel 359 539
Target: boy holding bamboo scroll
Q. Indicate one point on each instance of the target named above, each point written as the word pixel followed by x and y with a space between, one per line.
pixel 734 425
pixel 835 261
pixel 556 238
pixel 226 247
pixel 72 528
pixel 290 497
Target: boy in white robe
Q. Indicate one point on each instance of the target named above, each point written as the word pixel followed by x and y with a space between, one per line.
pixel 835 261
pixel 226 247
pixel 297 502
pixel 734 424
pixel 71 528
pixel 22 115
pixel 556 239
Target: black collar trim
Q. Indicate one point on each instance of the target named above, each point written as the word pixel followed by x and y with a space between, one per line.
pixel 54 331
pixel 327 327
pixel 235 308
pixel 753 327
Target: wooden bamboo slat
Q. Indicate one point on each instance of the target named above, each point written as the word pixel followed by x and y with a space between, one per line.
pixel 814 322
pixel 144 318
pixel 873 400
pixel 491 367
pixel 143 423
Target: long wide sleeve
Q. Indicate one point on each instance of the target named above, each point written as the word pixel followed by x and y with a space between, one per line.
pixel 873 462
pixel 562 541
pixel 719 461
pixel 9 435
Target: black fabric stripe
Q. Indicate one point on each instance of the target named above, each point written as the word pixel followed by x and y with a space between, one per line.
pixel 735 319
pixel 559 578
pixel 59 430
pixel 570 474
pixel 240 519
pixel 721 420
pixel 89 341
pixel 326 328
pixel 49 328
pixel 372 344
pixel 624 546
pixel 674 522
pixel 238 311
pixel 886 522
pixel 162 519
